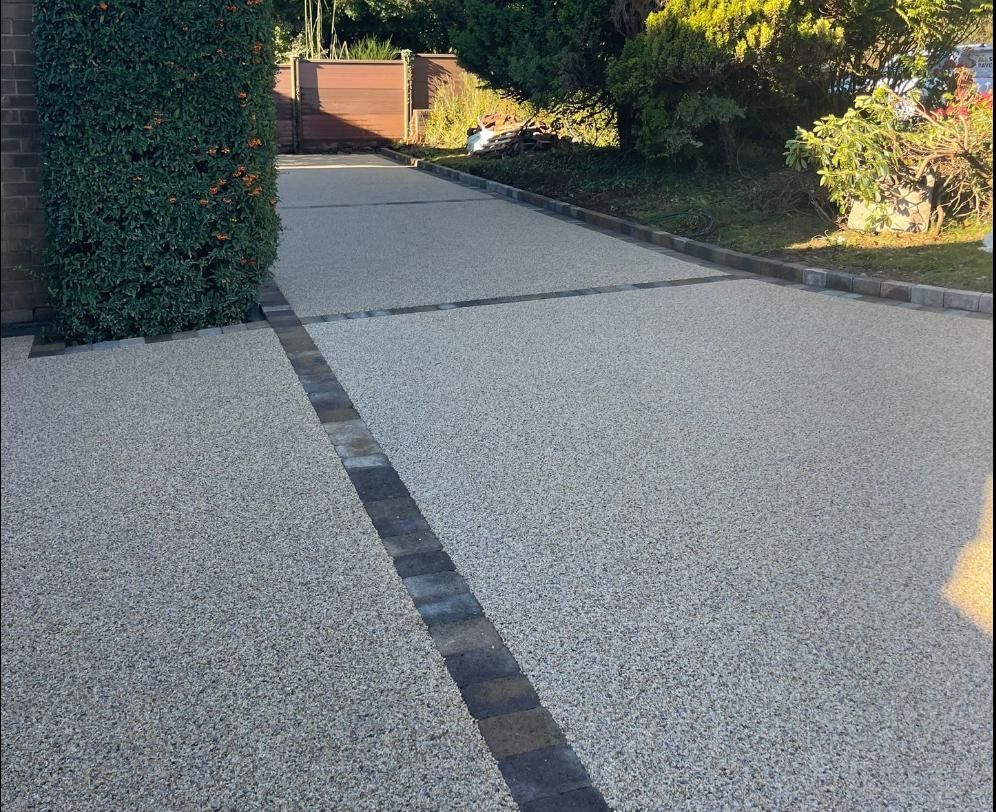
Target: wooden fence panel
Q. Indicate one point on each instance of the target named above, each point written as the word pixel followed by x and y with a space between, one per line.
pixel 427 70
pixel 351 102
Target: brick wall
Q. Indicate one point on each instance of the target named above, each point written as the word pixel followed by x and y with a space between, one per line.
pixel 21 298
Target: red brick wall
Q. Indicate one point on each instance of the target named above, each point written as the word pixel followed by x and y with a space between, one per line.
pixel 21 298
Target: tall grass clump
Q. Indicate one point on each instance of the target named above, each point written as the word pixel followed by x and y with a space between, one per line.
pixel 369 48
pixel 457 102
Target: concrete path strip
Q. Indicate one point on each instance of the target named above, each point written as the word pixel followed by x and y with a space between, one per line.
pixel 196 610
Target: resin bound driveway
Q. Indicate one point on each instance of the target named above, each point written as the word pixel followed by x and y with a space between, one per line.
pixel 734 537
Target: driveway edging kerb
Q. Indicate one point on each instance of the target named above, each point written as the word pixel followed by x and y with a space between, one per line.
pixel 925 295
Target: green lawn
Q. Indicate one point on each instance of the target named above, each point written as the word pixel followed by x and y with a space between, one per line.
pixel 761 213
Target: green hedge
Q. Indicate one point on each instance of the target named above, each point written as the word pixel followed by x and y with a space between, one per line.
pixel 158 141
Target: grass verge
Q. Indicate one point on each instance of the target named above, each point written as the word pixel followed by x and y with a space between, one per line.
pixel 764 213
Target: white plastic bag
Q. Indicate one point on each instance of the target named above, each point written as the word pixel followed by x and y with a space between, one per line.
pixel 479 140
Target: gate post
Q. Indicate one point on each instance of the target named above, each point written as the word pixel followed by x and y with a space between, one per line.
pixel 408 60
pixel 296 137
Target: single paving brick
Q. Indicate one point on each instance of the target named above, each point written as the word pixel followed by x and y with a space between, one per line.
pixel 456 638
pixel 867 285
pixel 586 799
pixel 295 340
pixel 410 543
pixel 435 586
pixel 328 400
pixel 499 696
pixel 520 732
pixel 481 664
pixel 541 773
pixel 840 280
pixel 450 610
pixel 409 566
pixel 347 431
pixel 395 517
pixel 354 448
pixel 927 295
pixel 373 484
pixel 900 291
pixel 308 362
pixel 317 379
pixel 962 299
pixel 340 415
pixel 366 461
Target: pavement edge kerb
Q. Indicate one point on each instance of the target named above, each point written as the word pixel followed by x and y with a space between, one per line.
pixel 539 766
pixel 843 281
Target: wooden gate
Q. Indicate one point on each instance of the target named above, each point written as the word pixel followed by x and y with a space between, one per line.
pixel 332 103
pixel 326 104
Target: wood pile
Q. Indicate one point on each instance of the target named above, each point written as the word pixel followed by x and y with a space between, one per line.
pixel 512 138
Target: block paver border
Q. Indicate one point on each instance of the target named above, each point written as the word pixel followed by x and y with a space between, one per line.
pixel 812 277
pixel 41 349
pixel 539 766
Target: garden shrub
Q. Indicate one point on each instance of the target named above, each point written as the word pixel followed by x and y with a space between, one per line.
pixel 699 65
pixel 887 143
pixel 158 142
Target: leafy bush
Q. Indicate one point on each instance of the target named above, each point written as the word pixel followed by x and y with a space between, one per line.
pixel 157 131
pixel 700 65
pixel 887 143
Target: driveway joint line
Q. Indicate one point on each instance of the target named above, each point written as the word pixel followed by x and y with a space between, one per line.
pixel 408 310
pixel 529 746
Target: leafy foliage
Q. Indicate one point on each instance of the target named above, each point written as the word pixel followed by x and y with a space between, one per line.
pixel 888 142
pixel 419 25
pixel 157 128
pixel 543 53
pixel 687 72
pixel 699 64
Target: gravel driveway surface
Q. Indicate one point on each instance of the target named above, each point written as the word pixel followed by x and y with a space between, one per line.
pixel 735 535
pixel 196 611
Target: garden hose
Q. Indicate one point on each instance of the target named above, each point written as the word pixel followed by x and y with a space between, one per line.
pixel 700 223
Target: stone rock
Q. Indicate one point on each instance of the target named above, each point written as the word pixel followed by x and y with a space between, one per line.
pixel 909 212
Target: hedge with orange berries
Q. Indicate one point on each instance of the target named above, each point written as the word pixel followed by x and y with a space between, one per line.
pixel 158 143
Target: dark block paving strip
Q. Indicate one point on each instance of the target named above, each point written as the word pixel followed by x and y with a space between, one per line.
pixel 525 297
pixel 541 769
